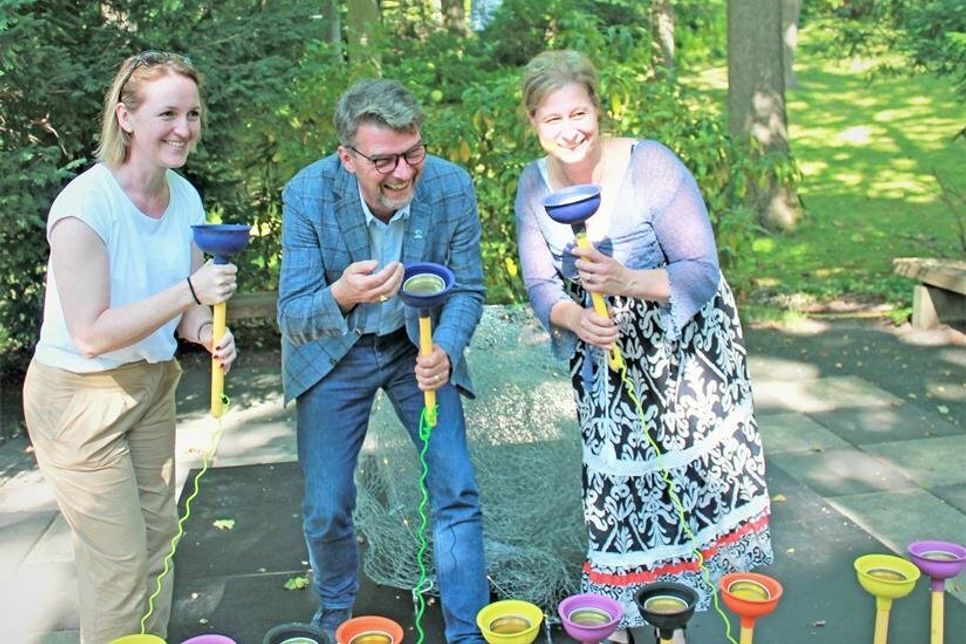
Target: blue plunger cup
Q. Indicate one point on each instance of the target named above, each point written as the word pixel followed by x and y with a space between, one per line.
pixel 220 241
pixel 426 285
pixel 574 205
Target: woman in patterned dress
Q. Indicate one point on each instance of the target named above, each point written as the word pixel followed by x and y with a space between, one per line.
pixel 674 320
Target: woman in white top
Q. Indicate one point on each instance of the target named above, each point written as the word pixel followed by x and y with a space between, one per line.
pixel 124 276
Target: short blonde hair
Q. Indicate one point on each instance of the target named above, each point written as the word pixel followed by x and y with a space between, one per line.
pixel 549 71
pixel 133 74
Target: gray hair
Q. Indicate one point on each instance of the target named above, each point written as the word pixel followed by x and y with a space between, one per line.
pixel 379 101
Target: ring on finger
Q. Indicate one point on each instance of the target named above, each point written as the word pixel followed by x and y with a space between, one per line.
pixel 383 298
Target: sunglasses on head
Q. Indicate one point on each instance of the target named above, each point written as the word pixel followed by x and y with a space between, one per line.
pixel 149 59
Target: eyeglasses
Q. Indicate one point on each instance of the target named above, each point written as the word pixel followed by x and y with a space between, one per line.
pixel 388 163
pixel 149 59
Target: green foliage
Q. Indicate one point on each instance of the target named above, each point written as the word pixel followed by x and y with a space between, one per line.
pixel 701 31
pixel 936 39
pixel 272 84
pixel 929 34
pixel 47 123
pixel 56 60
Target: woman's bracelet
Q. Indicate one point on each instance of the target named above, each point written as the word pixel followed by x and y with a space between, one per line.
pixel 192 289
pixel 200 327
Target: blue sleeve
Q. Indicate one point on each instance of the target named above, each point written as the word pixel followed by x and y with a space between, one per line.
pixel 683 230
pixel 462 310
pixel 306 308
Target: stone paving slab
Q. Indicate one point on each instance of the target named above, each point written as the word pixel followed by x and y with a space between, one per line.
pixel 907 421
pixel 38 599
pixel 821 394
pixel 954 495
pixel 794 432
pixel 54 546
pixel 19 534
pixel 838 472
pixel 929 462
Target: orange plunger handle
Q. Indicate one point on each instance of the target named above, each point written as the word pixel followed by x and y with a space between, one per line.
pixel 426 348
pixel 614 358
pixel 217 374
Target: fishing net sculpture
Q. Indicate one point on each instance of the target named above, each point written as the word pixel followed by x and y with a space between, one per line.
pixel 525 443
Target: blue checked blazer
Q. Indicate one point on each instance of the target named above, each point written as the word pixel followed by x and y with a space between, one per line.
pixel 324 230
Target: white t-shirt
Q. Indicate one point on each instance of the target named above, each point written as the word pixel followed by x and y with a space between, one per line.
pixel 146 256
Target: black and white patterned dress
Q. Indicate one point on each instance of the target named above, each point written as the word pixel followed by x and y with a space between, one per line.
pixel 696 400
pixel 685 364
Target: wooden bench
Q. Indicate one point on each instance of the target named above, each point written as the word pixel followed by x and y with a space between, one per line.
pixel 249 306
pixel 940 296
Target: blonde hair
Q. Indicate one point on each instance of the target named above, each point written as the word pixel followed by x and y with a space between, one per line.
pixel 551 70
pixel 127 87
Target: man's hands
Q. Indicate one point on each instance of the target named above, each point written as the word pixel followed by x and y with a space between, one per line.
pixel 360 285
pixel 432 371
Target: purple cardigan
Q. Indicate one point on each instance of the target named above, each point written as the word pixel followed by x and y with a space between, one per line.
pixel 660 220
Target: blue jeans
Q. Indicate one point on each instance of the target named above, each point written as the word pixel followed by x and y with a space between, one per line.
pixel 333 417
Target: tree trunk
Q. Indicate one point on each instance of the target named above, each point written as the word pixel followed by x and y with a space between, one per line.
pixel 756 98
pixel 790 12
pixel 662 34
pixel 361 20
pixel 454 17
pixel 332 23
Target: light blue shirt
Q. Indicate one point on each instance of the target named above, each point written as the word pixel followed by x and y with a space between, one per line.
pixel 385 242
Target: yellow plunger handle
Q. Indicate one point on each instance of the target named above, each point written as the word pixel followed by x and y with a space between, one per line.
pixel 217 375
pixel 881 626
pixel 746 634
pixel 614 358
pixel 426 348
pixel 936 631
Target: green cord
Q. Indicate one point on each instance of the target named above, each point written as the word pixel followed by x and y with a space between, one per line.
pixel 675 499
pixel 187 513
pixel 427 421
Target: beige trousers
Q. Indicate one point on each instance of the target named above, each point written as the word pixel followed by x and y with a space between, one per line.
pixel 105 443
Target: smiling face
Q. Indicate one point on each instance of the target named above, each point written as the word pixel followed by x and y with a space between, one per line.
pixel 384 193
pixel 166 126
pixel 566 122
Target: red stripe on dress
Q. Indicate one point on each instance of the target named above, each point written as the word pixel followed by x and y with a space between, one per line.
pixel 634 578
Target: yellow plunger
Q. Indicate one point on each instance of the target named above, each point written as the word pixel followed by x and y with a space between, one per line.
pixel 220 241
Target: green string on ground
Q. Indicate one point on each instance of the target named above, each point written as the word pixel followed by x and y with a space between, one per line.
pixel 205 458
pixel 427 421
pixel 675 499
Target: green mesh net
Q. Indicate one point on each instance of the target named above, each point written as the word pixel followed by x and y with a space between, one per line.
pixel 526 447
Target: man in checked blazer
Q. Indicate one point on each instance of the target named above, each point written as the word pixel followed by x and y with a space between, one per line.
pixel 351 220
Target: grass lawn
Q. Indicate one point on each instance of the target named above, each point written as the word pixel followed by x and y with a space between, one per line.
pixel 867 148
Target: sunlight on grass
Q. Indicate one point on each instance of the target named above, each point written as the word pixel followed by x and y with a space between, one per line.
pixel 867 150
pixel 859 134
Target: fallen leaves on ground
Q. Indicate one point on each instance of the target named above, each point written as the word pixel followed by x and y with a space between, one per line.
pixel 224 524
pixel 299 582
